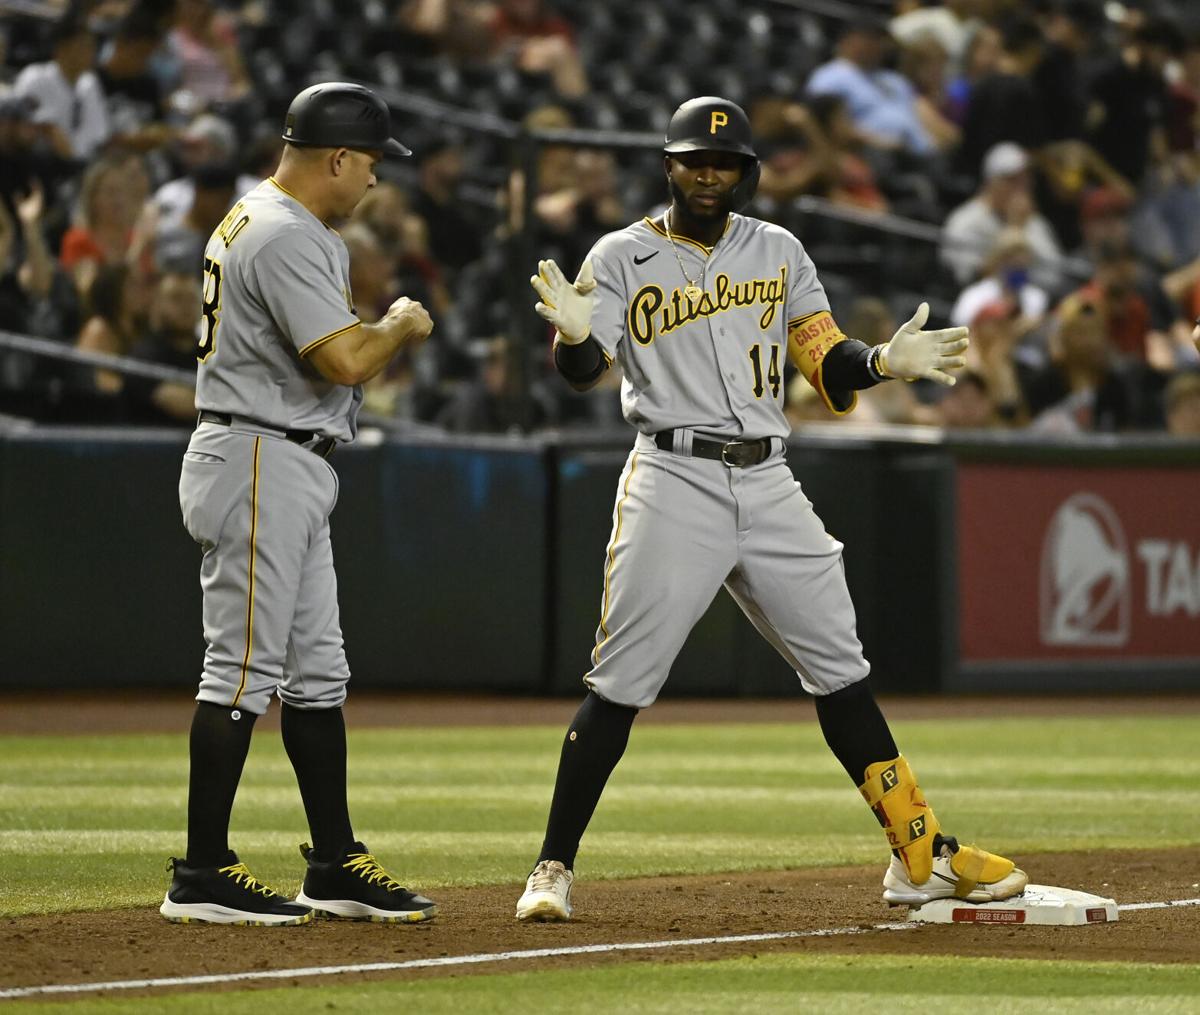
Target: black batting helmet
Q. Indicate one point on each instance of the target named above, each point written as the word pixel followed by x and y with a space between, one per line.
pixel 337 114
pixel 712 124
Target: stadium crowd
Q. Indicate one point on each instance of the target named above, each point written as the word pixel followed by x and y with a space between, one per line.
pixel 1030 166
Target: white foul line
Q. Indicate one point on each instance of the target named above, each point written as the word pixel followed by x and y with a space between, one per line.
pixel 468 960
pixel 1159 905
pixel 451 960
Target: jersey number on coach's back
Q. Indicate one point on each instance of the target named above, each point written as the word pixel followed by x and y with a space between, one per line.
pixel 228 230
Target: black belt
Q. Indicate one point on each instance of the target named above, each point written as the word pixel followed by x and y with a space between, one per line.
pixel 734 453
pixel 323 447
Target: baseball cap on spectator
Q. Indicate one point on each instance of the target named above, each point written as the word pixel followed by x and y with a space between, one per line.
pixel 1004 159
pixel 1102 201
pixel 210 129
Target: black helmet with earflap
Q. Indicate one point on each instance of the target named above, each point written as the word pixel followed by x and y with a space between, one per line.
pixel 712 124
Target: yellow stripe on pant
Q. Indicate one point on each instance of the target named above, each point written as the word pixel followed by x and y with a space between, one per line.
pixel 612 554
pixel 250 590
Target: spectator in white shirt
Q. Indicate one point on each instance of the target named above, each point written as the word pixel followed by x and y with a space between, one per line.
pixel 1005 277
pixel 70 98
pixel 1004 201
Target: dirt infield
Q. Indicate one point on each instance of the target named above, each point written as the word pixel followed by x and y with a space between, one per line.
pixel 118 945
pixel 138 944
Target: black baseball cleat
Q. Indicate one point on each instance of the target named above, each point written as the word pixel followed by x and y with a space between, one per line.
pixel 227 893
pixel 355 887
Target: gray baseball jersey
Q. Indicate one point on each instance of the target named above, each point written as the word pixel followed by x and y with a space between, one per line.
pixel 710 365
pixel 256 498
pixel 276 287
pixel 714 363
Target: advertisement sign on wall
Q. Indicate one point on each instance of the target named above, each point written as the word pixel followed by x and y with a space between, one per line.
pixel 1057 563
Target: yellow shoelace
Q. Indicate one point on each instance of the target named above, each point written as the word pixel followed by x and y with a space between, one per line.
pixel 366 866
pixel 242 876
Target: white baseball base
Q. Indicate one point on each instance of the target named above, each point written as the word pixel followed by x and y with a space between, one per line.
pixel 1039 904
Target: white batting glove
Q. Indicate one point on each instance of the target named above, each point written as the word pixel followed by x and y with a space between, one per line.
pixel 914 353
pixel 568 307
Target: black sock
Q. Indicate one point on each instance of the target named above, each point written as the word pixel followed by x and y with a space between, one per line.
pixel 593 746
pixel 219 742
pixel 855 729
pixel 315 741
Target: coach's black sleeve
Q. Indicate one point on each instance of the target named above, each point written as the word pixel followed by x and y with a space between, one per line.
pixel 580 364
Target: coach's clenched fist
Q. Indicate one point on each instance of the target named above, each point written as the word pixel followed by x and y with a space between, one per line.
pixel 412 317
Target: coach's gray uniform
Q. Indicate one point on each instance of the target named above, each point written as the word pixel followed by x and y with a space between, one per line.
pixel 684 526
pixel 254 494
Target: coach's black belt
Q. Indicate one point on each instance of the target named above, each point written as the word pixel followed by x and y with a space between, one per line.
pixel 735 453
pixel 323 447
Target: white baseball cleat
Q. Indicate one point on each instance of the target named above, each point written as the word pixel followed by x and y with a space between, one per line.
pixel 959 872
pixel 547 893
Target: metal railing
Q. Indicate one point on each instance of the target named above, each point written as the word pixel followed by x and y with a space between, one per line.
pixel 131 367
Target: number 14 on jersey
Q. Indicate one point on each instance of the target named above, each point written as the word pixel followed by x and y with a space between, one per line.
pixel 774 377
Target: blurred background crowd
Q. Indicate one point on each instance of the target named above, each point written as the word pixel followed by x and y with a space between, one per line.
pixel 1032 167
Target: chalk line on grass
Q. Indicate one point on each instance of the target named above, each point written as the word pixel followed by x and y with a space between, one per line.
pixel 484 957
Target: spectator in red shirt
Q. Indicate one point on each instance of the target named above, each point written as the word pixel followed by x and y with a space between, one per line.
pixel 539 43
pixel 110 201
pixel 1136 325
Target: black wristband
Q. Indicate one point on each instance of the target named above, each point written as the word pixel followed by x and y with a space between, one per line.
pixel 580 363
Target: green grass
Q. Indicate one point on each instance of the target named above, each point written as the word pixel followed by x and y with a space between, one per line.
pixel 87 822
pixel 767 983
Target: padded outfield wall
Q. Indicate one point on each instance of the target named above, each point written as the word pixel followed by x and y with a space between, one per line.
pixel 464 563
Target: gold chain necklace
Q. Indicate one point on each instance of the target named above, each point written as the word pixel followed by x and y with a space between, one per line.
pixel 692 291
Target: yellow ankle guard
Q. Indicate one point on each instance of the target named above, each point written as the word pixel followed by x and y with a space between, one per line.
pixel 891 791
pixel 977 866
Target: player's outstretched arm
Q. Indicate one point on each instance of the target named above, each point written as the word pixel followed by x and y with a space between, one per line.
pixel 357 355
pixel 569 306
pixel 566 305
pixel 914 353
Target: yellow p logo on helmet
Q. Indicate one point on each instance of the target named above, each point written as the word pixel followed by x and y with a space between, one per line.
pixel 719 119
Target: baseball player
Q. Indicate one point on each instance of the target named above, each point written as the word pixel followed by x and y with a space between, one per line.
pixel 699 306
pixel 282 357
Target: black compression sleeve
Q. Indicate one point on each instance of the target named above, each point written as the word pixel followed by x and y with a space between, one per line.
pixel 848 367
pixel 580 364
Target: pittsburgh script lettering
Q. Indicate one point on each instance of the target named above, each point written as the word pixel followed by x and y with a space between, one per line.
pixel 651 313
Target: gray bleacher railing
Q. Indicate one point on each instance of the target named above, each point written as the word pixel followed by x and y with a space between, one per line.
pixel 107 361
pixel 915 229
pixel 851 13
pixel 131 367
pixel 32 9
